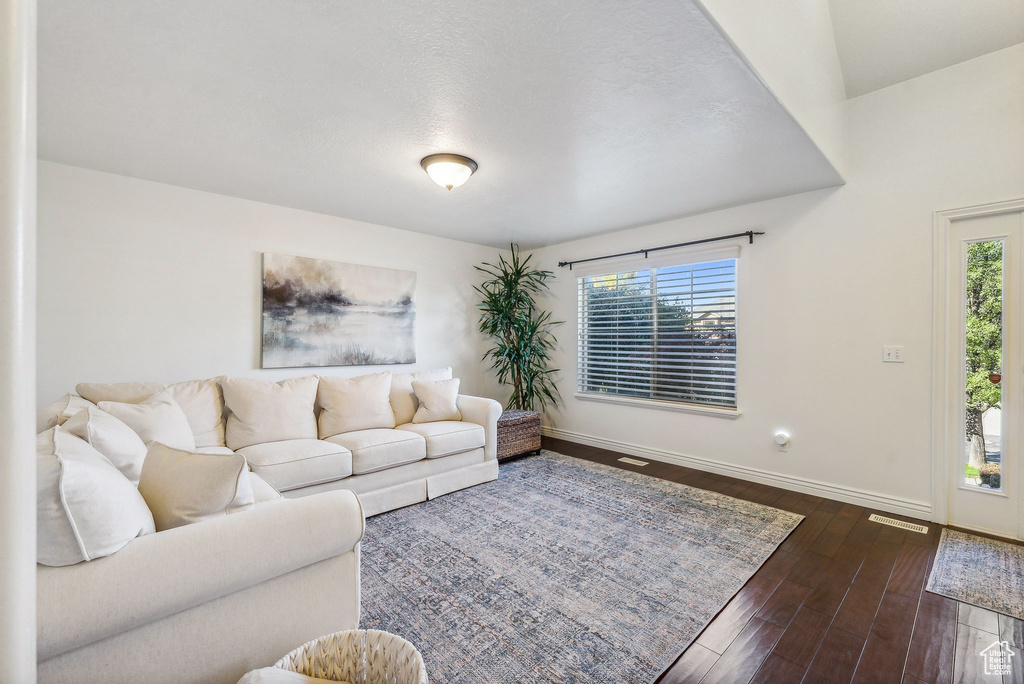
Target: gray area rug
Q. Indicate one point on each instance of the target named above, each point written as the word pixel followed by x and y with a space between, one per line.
pixel 561 571
pixel 982 572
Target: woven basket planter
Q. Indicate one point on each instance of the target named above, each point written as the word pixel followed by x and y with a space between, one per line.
pixel 518 433
pixel 358 656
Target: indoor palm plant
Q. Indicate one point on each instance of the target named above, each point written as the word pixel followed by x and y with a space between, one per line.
pixel 521 332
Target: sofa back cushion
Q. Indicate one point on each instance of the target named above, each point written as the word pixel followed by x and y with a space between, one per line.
pixel 262 411
pixel 203 404
pixel 128 392
pixel 201 400
pixel 403 399
pixel 350 404
pixel 85 507
pixel 437 400
pixel 57 412
pixel 182 487
pixel 156 419
pixel 112 438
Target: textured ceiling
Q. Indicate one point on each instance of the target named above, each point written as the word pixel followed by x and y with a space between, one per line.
pixel 585 116
pixel 882 42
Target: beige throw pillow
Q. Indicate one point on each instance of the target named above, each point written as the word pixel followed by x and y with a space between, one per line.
pixel 156 419
pixel 181 487
pixel 203 404
pixel 403 399
pixel 350 404
pixel 56 413
pixel 112 438
pixel 128 392
pixel 264 411
pixel 85 508
pixel 437 400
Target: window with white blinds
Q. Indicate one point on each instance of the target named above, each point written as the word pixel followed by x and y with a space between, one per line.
pixel 665 333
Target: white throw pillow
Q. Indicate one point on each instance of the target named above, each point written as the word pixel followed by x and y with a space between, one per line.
pixel 350 404
pixel 128 392
pixel 264 411
pixel 85 508
pixel 57 412
pixel 275 675
pixel 157 419
pixel 182 487
pixel 112 438
pixel 403 399
pixel 437 399
pixel 203 404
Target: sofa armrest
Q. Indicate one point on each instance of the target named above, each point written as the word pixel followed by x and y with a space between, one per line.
pixel 164 573
pixel 483 412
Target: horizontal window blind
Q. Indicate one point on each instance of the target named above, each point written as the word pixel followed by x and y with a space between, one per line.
pixel 666 333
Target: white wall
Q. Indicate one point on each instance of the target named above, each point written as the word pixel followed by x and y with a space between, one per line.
pixel 790 44
pixel 144 281
pixel 840 273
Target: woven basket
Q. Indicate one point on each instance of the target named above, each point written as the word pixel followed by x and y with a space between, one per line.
pixel 518 432
pixel 358 656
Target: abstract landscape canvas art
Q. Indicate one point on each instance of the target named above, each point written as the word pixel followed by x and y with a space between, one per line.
pixel 328 313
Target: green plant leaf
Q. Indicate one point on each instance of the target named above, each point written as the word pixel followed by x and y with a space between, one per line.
pixel 521 332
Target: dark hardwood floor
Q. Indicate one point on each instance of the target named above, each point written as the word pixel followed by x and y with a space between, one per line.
pixel 841 600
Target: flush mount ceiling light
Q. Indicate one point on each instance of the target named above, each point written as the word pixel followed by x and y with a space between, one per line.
pixel 448 170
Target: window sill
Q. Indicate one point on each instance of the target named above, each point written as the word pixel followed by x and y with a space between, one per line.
pixel 981 490
pixel 716 411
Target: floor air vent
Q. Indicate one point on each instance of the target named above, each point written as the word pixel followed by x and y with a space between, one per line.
pixel 633 461
pixel 903 525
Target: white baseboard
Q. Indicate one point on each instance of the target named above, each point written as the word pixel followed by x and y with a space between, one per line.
pixel 873 500
pixel 986 530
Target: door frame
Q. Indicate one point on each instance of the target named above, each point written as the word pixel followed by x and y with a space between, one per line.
pixel 944 406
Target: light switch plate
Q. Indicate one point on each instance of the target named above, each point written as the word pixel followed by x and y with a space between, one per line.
pixel 891 354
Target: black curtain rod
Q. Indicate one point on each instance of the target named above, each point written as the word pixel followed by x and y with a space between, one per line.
pixel 747 234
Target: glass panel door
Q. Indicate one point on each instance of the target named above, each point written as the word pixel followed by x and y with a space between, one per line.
pixel 984 373
pixel 983 343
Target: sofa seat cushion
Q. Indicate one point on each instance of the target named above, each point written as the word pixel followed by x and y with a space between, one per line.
pixel 295 463
pixel 447 437
pixel 380 449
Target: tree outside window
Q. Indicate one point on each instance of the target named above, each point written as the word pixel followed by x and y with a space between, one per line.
pixel 984 319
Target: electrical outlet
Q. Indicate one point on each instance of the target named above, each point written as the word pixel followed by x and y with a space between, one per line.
pixel 893 354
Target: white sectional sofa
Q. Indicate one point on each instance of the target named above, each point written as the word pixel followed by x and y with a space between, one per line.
pixel 387 467
pixel 206 602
